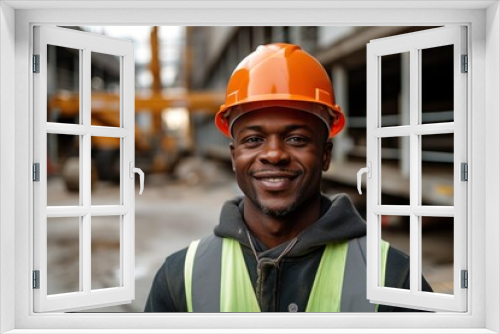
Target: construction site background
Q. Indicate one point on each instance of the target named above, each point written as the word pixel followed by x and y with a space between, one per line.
pixel 181 73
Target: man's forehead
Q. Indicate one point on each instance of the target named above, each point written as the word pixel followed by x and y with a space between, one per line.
pixel 281 127
pixel 275 115
pixel 285 119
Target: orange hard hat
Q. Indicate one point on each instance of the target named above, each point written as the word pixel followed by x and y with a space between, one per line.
pixel 280 75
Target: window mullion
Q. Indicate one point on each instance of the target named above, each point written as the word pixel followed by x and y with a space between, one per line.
pixel 85 253
pixel 415 179
pixel 86 140
pixel 122 177
pixel 85 160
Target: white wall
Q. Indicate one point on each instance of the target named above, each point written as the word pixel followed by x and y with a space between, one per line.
pixel 7 161
pixel 492 163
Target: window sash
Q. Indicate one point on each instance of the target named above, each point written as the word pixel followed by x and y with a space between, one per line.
pixel 86 297
pixel 413 43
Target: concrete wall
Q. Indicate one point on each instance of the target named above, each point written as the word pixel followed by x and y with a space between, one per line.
pixel 217 39
pixel 328 36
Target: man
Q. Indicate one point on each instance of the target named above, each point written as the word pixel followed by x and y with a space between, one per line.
pixel 284 246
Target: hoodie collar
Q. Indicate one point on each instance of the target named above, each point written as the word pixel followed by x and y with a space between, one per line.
pixel 339 222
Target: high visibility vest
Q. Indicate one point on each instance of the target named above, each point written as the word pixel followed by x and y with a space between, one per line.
pixel 217 280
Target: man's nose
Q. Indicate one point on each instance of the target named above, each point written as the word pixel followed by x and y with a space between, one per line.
pixel 274 152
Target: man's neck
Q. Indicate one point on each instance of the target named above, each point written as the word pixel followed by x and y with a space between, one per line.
pixel 273 231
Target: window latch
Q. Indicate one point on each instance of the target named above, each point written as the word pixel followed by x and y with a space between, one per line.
pixel 368 171
pixel 133 170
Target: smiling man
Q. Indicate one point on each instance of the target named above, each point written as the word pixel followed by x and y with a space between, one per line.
pixel 278 155
pixel 284 246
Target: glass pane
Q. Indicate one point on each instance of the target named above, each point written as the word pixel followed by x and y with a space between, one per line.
pixel 437 253
pixel 106 163
pixel 63 85
pixel 437 169
pixel 396 231
pixel 63 169
pixel 106 269
pixel 395 90
pixel 105 82
pixel 395 171
pixel 63 255
pixel 437 84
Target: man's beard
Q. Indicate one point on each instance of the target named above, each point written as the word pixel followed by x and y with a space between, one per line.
pixel 279 213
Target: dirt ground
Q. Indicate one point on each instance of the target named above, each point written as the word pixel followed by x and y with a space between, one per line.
pixel 169 215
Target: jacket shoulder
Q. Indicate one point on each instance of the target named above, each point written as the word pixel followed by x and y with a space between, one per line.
pixel 397 270
pixel 397 275
pixel 167 292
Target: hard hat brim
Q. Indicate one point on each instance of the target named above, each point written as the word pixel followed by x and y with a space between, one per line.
pixel 332 118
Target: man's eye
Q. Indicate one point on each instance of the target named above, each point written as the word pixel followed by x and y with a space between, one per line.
pixel 252 140
pixel 297 140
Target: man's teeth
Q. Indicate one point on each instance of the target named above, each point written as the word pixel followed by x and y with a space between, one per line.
pixel 275 179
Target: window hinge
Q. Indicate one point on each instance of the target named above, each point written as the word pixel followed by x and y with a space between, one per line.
pixel 36 172
pixel 465 279
pixel 464 172
pixel 36 63
pixel 36 279
pixel 465 64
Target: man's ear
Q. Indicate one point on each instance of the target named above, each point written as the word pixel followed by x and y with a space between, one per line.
pixel 231 147
pixel 327 154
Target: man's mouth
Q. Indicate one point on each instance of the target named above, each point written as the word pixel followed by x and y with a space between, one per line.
pixel 275 180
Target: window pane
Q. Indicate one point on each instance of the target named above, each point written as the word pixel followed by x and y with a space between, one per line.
pixel 395 96
pixel 63 255
pixel 395 171
pixel 437 84
pixel 63 169
pixel 105 82
pixel 437 169
pixel 437 253
pixel 106 269
pixel 63 84
pixel 396 231
pixel 106 162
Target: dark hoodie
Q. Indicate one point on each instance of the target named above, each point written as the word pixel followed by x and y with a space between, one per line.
pixel 285 286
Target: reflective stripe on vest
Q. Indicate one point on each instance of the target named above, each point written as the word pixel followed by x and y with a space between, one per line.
pixel 217 279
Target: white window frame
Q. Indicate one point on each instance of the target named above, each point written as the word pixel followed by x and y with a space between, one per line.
pixel 85 297
pixel 413 44
pixel 16 21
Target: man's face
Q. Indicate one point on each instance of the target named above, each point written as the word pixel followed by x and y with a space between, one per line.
pixel 278 155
